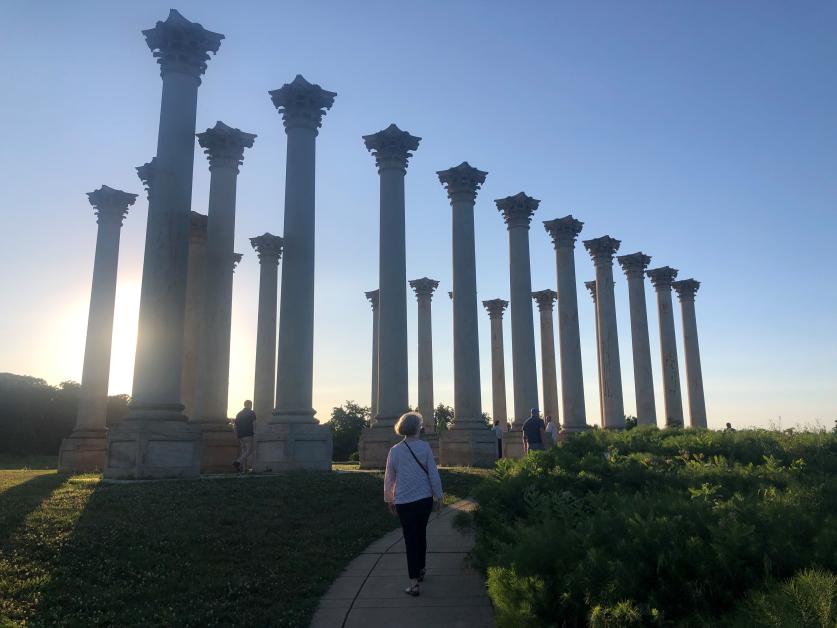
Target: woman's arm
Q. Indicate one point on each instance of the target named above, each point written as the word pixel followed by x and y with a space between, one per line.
pixel 435 480
pixel 389 480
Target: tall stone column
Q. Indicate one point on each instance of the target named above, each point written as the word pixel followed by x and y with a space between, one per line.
pixel 155 439
pixel 686 291
pixel 392 148
pixel 372 295
pixel 424 288
pixel 193 320
pixel 564 232
pixel 269 249
pixel 224 147
pixel 634 266
pixel 84 450
pixel 591 287
pixel 517 212
pixel 495 308
pixel 549 374
pixel 662 278
pixel 602 251
pixel 293 439
pixel 467 442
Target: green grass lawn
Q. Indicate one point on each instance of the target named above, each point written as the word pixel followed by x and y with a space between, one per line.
pixel 240 550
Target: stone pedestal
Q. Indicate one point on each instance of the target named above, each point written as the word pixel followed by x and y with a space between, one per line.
pixel 513 443
pixel 432 439
pixel 292 446
pixel 153 449
pixel 219 447
pixel 83 452
pixel 468 448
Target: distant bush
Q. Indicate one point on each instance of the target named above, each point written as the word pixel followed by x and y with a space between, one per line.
pixel 648 527
pixel 347 422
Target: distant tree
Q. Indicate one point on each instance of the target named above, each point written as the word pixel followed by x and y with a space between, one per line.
pixel 347 422
pixel 443 416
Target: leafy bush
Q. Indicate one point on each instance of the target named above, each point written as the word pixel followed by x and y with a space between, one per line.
pixel 347 423
pixel 650 527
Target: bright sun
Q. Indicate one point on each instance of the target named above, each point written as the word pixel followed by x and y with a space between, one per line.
pixel 125 322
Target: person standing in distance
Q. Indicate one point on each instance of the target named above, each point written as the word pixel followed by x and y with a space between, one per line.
pixel 498 432
pixel 552 430
pixel 244 429
pixel 534 432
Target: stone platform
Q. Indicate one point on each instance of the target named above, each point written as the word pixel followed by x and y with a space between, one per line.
pixel 468 448
pixel 288 446
pixel 84 451
pixel 513 443
pixel 140 449
pixel 375 442
pixel 219 447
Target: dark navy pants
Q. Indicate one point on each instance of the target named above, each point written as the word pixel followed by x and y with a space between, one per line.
pixel 414 517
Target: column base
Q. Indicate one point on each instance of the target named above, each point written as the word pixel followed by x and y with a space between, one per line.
pixel 292 445
pixel 219 447
pixel 432 439
pixel 375 442
pixel 513 443
pixel 144 449
pixel 574 429
pixel 468 447
pixel 84 451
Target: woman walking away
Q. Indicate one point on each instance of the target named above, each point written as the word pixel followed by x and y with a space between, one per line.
pixel 412 489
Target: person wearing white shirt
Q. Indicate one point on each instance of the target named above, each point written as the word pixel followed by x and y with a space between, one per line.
pixel 552 430
pixel 498 432
pixel 412 490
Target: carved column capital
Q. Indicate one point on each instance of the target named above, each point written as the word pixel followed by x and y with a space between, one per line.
pixel 392 147
pixel 237 260
pixel 662 278
pixel 462 181
pixel 268 247
pixel 602 249
pixel 634 264
pixel 302 104
pixel 224 145
pixel 495 308
pixel 545 299
pixel 563 231
pixel 182 46
pixel 111 205
pixel 424 287
pixel 145 173
pixel 517 210
pixel 374 298
pixel 591 287
pixel 686 289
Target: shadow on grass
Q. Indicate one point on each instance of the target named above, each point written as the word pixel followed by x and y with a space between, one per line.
pixel 19 500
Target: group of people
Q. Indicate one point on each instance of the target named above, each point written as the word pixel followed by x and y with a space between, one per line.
pixel 537 435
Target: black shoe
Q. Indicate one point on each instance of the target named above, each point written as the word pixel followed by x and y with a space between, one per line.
pixel 412 590
pixel 237 466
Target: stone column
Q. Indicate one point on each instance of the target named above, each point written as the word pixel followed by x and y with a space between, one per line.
pixel 373 299
pixel 155 439
pixel 269 249
pixel 195 301
pixel 467 442
pixel 563 232
pixel 495 308
pixel 549 374
pixel 84 450
pixel 591 287
pixel 661 279
pixel 224 147
pixel 424 288
pixel 634 266
pixel 517 212
pixel 686 290
pixel 391 148
pixel 602 251
pixel 294 439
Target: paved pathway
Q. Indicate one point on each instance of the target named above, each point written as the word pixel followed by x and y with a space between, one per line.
pixel 370 592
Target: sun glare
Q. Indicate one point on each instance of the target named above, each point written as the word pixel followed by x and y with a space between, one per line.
pixel 125 320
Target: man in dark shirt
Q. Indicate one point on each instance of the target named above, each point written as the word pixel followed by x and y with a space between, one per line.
pixel 244 430
pixel 534 435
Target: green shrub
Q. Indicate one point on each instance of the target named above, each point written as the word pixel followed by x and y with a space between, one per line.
pixel 651 527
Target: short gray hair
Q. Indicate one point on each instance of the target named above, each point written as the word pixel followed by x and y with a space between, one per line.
pixel 409 424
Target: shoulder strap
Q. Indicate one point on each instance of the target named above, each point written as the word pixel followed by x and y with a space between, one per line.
pixel 423 468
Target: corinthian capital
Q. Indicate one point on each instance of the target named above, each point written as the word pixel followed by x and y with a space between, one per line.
pixel 268 247
pixel 224 145
pixel 302 104
pixel 602 249
pixel 634 264
pixel 236 260
pixel 563 231
pixel 374 297
pixel 495 307
pixel 182 46
pixel 424 287
pixel 545 299
pixel 662 277
pixel 517 210
pixel 145 173
pixel 686 289
pixel 391 147
pixel 110 205
pixel 462 181
pixel 591 287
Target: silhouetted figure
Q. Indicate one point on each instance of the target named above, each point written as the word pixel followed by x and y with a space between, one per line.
pixel 729 429
pixel 244 430
pixel 498 432
pixel 534 432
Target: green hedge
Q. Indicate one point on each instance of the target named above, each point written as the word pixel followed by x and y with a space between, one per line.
pixel 650 527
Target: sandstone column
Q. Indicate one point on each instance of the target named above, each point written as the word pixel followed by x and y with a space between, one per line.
pixel 602 251
pixel 269 249
pixel 424 288
pixel 224 147
pixel 564 232
pixel 495 308
pixel 294 439
pixel 661 279
pixel 373 299
pixel 634 266
pixel 85 448
pixel 517 211
pixel 155 439
pixel 468 442
pixel 193 318
pixel 591 287
pixel 686 291
pixel 549 374
pixel 391 148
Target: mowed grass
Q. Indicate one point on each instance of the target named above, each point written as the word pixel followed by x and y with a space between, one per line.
pixel 234 551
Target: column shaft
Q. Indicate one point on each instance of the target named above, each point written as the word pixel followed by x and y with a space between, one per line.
pixel 611 372
pixel 548 369
pixel 425 363
pixel 694 375
pixel 373 298
pixel 662 279
pixel 498 373
pixel 193 318
pixel 646 411
pixel 524 365
pixel 265 375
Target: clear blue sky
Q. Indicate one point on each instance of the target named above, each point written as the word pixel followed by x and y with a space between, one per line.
pixel 702 133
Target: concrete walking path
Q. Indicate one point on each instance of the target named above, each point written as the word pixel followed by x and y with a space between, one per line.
pixel 370 591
